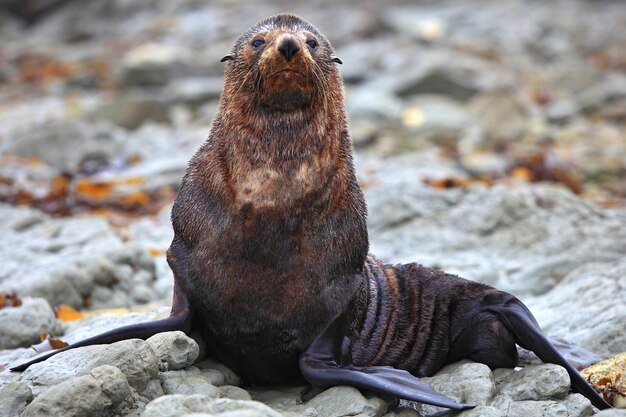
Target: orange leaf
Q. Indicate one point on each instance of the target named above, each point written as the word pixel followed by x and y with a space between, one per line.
pixel 522 173
pixel 138 198
pixel 48 343
pixel 134 181
pixel 10 300
pixel 156 252
pixel 67 313
pixel 96 190
pixel 57 343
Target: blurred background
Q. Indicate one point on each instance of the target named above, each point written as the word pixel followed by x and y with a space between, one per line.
pixel 92 92
pixel 462 114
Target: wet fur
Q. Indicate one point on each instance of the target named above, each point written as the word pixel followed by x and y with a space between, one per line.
pixel 270 222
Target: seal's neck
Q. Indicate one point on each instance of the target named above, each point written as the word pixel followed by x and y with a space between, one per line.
pixel 268 136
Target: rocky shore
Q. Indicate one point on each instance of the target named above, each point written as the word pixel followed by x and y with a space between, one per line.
pixel 490 141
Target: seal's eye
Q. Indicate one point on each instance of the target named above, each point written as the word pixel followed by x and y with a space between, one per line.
pixel 258 43
pixel 312 43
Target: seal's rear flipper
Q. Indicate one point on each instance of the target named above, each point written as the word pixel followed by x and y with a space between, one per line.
pixel 319 366
pixel 179 319
pixel 520 321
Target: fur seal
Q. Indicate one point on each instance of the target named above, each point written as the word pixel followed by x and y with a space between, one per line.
pixel 270 253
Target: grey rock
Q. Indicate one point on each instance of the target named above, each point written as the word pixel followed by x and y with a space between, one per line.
pixel 177 405
pixel 402 412
pixel 436 118
pixel 174 350
pixel 229 376
pixel 134 358
pixel 372 102
pixel 216 377
pixel 364 132
pixel 587 307
pixel 341 401
pixel 444 80
pixel 67 260
pixel 21 326
pixel 533 382
pixel 501 116
pixel 522 240
pixel 234 393
pixel 531 408
pixel 63 144
pixel 132 111
pixel 562 110
pixel 611 88
pixel 153 65
pixel 14 397
pixel 103 392
pixel 578 406
pixel 188 382
pixel 465 381
pixel 483 411
pixel 194 91
pixel 283 399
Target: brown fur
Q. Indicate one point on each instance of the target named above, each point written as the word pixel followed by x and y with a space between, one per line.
pixel 270 222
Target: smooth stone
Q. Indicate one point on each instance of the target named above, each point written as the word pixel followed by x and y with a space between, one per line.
pixel 465 381
pixel 135 359
pixel 533 382
pixel 578 406
pixel 531 408
pixel 21 326
pixel 104 391
pixel 587 307
pixel 188 382
pixel 234 393
pixel 14 397
pixel 174 350
pixel 229 376
pixel 177 405
pixel 342 400
pixel 64 144
pixel 130 112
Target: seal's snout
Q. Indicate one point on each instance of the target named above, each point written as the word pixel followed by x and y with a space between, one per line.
pixel 288 47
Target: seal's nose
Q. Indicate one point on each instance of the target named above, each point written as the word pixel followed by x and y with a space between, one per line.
pixel 288 47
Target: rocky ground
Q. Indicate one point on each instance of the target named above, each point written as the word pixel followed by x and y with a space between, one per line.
pixel 490 140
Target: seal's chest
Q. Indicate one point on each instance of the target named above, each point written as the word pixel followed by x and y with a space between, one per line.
pixel 276 187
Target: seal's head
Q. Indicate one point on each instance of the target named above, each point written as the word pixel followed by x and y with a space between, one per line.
pixel 282 63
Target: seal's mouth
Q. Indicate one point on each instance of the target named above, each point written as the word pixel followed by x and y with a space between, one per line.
pixel 287 71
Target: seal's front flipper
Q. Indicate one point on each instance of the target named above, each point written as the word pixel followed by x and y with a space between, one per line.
pixel 319 365
pixel 179 319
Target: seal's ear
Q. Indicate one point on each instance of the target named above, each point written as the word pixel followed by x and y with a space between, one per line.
pixel 337 60
pixel 227 58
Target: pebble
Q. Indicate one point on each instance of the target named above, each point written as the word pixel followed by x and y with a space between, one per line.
pixel 21 326
pixel 188 382
pixel 134 358
pixel 104 391
pixel 14 397
pixel 534 382
pixel 177 405
pixel 174 350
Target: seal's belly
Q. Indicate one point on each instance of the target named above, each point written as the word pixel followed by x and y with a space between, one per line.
pixel 257 318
